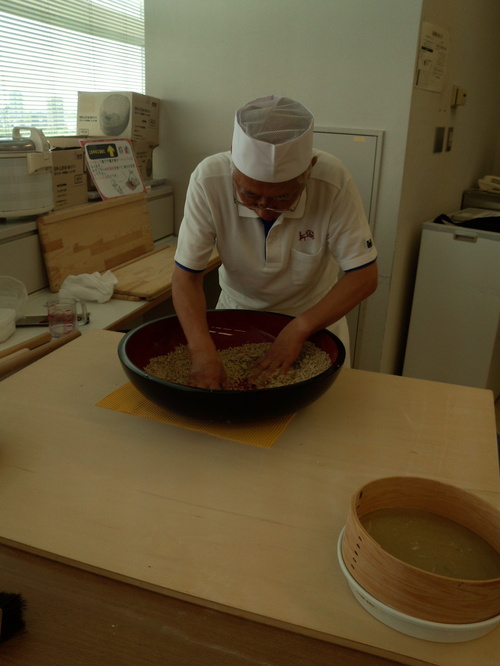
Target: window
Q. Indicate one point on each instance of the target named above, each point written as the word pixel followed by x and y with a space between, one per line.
pixel 49 50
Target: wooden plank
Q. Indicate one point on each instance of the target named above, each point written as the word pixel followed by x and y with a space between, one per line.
pixel 146 277
pixel 94 237
pixel 151 275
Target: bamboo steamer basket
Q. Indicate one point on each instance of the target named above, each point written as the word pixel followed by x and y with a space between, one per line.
pixel 406 588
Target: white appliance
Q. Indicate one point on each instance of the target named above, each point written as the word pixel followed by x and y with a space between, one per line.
pixel 454 332
pixel 25 174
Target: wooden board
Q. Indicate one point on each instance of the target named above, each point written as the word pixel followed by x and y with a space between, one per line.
pixel 230 526
pixel 150 276
pixel 94 237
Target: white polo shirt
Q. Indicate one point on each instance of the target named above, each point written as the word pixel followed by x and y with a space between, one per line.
pixel 298 262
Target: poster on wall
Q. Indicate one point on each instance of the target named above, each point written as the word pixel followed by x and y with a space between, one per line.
pixel 432 57
pixel 113 167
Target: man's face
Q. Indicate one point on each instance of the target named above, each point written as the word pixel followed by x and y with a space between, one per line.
pixel 261 197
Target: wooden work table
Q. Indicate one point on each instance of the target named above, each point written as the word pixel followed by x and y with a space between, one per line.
pixel 150 518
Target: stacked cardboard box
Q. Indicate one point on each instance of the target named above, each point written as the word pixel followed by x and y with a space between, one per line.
pixel 121 115
pixel 113 115
pixel 142 150
pixel 69 177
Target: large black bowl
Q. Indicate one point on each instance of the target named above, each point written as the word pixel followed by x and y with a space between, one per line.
pixel 229 328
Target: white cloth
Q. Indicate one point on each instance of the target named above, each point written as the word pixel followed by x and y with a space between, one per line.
pixel 89 287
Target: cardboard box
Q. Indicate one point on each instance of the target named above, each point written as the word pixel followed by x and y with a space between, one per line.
pixel 143 152
pixel 122 115
pixel 144 157
pixel 68 177
pixel 72 141
pixel 65 141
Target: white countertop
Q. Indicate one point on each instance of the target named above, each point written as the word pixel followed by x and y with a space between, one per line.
pixel 102 315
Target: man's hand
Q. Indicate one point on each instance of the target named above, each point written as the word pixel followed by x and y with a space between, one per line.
pixel 280 356
pixel 207 372
pixel 350 290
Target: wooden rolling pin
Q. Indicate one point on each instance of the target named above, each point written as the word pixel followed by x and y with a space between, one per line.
pixel 23 356
pixel 27 344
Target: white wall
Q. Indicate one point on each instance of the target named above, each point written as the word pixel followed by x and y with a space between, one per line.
pixel 350 61
pixel 434 182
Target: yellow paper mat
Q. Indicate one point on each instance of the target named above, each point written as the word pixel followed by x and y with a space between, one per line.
pixel 128 400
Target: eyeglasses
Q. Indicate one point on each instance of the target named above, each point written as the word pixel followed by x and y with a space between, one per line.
pixel 291 209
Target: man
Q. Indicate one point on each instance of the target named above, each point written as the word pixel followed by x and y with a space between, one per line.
pixel 284 217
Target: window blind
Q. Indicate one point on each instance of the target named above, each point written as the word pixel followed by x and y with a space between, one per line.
pixel 49 50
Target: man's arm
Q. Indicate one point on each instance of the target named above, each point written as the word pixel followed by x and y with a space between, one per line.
pixel 344 296
pixel 348 292
pixel 207 370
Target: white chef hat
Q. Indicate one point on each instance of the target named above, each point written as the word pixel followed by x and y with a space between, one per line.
pixel 272 139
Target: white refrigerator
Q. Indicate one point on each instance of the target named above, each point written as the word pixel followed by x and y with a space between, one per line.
pixel 454 327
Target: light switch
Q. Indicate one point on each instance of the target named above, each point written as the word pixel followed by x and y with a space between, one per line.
pixel 438 140
pixel 458 96
pixel 449 139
